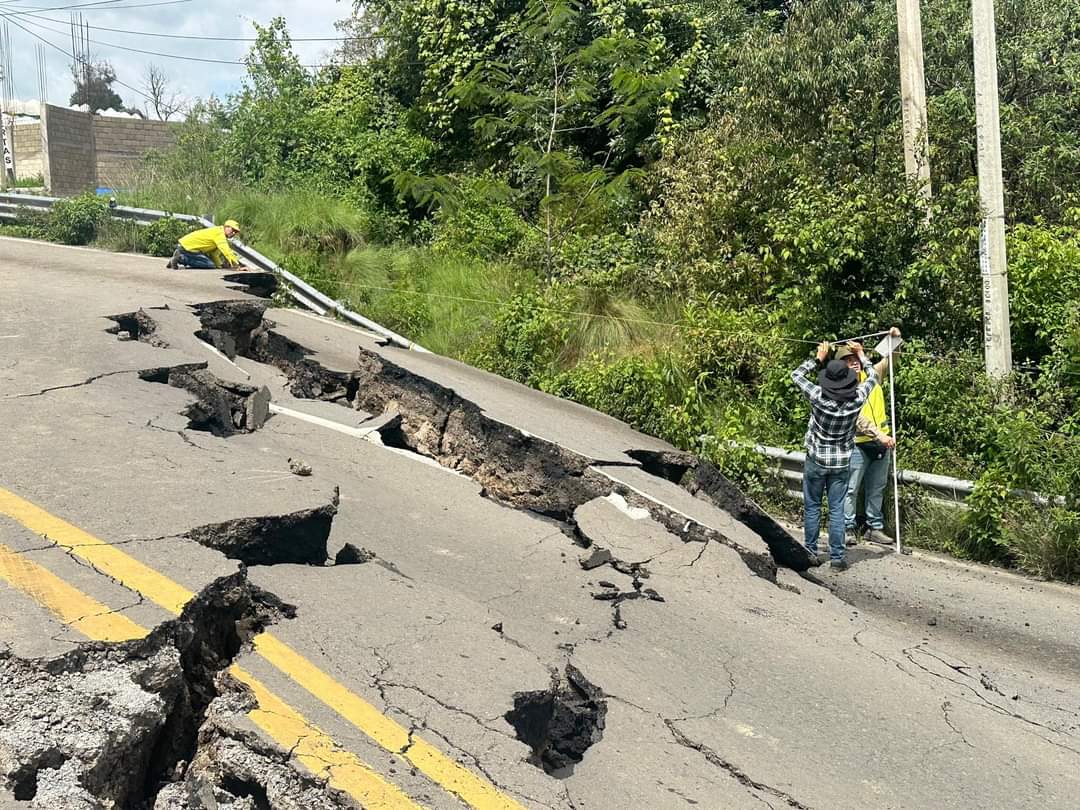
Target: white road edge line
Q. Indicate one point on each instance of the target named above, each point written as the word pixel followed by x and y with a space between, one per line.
pixel 322 319
pixel 370 434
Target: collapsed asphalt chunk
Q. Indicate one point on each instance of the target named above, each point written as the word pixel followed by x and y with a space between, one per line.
pixel 228 326
pixel 221 408
pixel 560 723
pixel 296 537
pixel 138 326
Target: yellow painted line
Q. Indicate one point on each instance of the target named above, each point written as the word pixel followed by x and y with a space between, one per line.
pixel 73 607
pixel 452 776
pixel 433 763
pixel 309 744
pixel 126 569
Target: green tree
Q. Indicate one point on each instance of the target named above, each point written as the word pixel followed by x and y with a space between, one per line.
pixel 93 87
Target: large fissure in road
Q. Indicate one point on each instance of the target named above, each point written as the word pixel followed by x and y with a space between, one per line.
pixel 145 723
pixel 514 467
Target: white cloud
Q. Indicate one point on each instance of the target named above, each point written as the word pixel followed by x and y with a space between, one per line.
pixel 313 18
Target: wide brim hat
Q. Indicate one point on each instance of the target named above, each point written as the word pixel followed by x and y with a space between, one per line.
pixel 838 381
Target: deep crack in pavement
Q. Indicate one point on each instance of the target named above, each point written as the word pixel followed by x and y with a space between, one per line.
pixel 125 724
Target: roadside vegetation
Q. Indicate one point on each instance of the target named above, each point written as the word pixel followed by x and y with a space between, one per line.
pixel 657 210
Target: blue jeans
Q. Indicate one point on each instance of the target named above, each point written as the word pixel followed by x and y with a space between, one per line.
pixel 875 474
pixel 198 261
pixel 818 481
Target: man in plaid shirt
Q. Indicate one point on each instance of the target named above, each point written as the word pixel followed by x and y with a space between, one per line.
pixel 835 401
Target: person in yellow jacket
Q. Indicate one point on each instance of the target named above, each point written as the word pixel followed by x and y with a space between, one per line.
pixel 207 248
pixel 869 465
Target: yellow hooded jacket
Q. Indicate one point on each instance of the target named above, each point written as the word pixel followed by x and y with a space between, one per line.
pixel 212 242
pixel 873 420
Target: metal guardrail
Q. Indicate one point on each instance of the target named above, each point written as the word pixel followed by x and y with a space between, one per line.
pixel 942 489
pixel 789 466
pixel 12 206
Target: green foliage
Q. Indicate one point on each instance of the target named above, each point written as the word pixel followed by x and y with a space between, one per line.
pixel 94 87
pixel 637 389
pixel 1044 286
pixel 298 220
pixel 1044 540
pixel 523 342
pixel 191 177
pixel 160 238
pixel 35 181
pixel 478 221
pixel 76 221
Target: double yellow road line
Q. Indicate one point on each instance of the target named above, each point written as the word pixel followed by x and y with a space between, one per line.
pixel 282 723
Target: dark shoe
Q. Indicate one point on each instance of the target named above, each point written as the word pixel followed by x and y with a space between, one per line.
pixel 879 537
pixel 838 565
pixel 820 557
pixel 174 262
pixel 851 537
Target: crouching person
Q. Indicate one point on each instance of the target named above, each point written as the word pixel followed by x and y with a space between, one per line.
pixel 836 399
pixel 207 248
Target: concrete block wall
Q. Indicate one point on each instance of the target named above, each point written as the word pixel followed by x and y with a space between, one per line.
pixel 27 150
pixel 120 143
pixel 83 151
pixel 68 144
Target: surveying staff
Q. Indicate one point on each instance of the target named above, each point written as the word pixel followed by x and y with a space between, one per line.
pixel 207 248
pixel 873 454
pixel 835 402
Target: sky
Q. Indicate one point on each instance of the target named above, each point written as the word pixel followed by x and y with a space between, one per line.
pixel 192 79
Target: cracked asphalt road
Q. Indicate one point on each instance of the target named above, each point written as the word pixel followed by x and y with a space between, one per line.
pixel 739 685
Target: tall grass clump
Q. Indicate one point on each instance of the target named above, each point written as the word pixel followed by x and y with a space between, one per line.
pixel 295 220
pixel 445 302
pixel 603 322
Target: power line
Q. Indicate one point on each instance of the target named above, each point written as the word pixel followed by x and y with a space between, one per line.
pixel 181 57
pixel 98 3
pixel 71 56
pixel 209 38
pixel 143 51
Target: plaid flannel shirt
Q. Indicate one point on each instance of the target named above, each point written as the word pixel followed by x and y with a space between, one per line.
pixel 830 435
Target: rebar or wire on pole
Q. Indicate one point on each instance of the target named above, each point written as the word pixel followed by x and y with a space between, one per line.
pixel 43 80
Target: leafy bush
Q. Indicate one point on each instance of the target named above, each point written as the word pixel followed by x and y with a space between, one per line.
pixel 478 222
pixel 160 237
pixel 524 340
pixel 76 221
pixel 1044 286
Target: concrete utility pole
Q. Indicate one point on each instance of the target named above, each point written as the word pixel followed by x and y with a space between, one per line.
pixel 997 338
pixel 913 95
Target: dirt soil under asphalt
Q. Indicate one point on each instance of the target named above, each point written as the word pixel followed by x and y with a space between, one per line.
pixel 251 558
